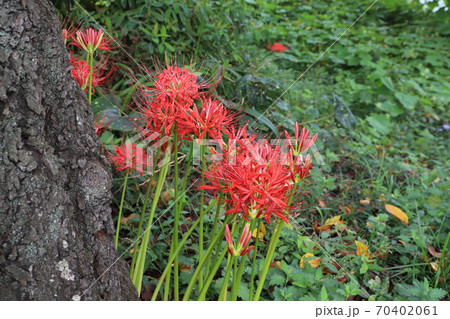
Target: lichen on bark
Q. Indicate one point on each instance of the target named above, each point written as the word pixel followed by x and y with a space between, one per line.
pixel 56 234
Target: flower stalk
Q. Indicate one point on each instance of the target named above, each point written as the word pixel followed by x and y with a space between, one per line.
pixel 139 268
pixel 119 217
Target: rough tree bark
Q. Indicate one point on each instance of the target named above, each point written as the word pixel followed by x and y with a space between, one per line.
pixel 56 232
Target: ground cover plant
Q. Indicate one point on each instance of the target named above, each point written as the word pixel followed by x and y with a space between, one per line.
pixel 370 221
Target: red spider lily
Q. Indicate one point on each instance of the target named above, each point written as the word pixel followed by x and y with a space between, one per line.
pixel 90 40
pixel 302 141
pixel 80 72
pixel 253 178
pixel 129 157
pixel 100 124
pixel 176 86
pixel 170 104
pixel 162 117
pixel 278 47
pixel 69 28
pixel 211 120
pixel 179 86
pixel 241 248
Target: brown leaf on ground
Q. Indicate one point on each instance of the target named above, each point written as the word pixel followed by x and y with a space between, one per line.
pixel 313 262
pixel 333 221
pixel 434 253
pixel 276 263
pixel 322 203
pixel 125 219
pixel 398 213
pixel 185 268
pixel 342 279
pixel 344 253
pixel 434 265
pixel 346 209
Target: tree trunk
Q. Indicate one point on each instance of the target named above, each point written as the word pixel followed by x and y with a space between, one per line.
pixel 56 231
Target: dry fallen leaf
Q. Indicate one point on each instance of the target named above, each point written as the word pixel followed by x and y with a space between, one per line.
pixel 322 203
pixel 346 209
pixel 276 263
pixel 342 279
pixel 313 262
pixel 434 265
pixel 344 253
pixel 326 270
pixel 365 201
pixel 398 213
pixel 401 242
pixel 166 196
pixel 361 249
pixel 336 220
pixel 434 253
pixel 185 268
pixel 262 231
pixel 125 219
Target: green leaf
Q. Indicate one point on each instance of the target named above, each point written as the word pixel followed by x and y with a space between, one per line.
pixel 387 82
pixel 262 119
pixel 323 294
pixel 122 124
pixel 390 107
pixel 243 292
pixel 283 105
pixel 106 102
pixel 342 112
pixel 277 279
pixel 375 267
pixel 407 100
pixel 437 293
pixel 380 122
pixel 363 268
pixel 117 122
pixel 168 46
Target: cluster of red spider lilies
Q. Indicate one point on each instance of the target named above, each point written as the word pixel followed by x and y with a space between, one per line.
pixel 245 180
pixel 86 73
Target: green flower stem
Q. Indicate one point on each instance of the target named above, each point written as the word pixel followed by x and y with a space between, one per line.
pixel 168 277
pixel 176 220
pixel 213 231
pixel 223 291
pixel 217 260
pixel 139 268
pixel 212 273
pixel 255 252
pixel 185 179
pixel 230 264
pixel 179 204
pixel 91 71
pixel 270 251
pixel 202 214
pixel 174 253
pixel 272 245
pixel 119 218
pixel 218 235
pixel 141 219
pixel 237 276
pixel 172 258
